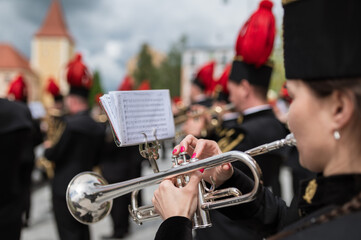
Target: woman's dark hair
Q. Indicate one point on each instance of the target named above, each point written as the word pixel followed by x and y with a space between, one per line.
pixel 326 87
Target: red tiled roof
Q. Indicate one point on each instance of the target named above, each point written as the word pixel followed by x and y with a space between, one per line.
pixel 54 24
pixel 11 58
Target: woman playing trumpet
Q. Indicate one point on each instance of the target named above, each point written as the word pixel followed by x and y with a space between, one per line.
pixel 325 117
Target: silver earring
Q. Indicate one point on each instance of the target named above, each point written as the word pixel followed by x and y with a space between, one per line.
pixel 336 135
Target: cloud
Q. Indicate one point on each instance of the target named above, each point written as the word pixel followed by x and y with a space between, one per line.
pixel 110 71
pixel 110 32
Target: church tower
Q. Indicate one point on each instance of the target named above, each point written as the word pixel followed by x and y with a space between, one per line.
pixel 52 48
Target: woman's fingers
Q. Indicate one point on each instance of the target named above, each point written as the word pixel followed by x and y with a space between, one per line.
pixel 206 148
pixel 186 145
pixel 169 200
pixel 195 178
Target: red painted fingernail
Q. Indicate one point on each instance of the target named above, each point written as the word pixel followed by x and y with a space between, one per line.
pixel 201 170
pixel 182 149
pixel 174 151
pixel 194 155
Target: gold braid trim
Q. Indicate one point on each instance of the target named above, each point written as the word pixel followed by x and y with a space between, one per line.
pixel 285 2
pixel 226 144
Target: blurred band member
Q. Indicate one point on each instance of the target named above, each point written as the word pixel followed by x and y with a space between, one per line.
pixel 248 84
pixel 77 150
pixel 16 128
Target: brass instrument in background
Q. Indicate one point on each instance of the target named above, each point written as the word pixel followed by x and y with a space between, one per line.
pixel 100 118
pixel 213 111
pixel 54 130
pixel 55 124
pixel 89 197
pixel 213 119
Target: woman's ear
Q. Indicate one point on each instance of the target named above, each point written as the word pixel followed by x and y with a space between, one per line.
pixel 343 108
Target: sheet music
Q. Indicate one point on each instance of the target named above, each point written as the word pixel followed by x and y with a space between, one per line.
pixel 106 103
pixel 135 112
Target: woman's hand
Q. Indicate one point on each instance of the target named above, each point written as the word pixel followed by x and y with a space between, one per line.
pixel 170 201
pixel 201 149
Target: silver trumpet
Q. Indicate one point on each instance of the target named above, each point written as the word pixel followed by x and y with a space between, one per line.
pixel 89 197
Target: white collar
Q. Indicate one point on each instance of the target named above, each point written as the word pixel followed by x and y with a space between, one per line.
pixel 256 109
pixel 230 116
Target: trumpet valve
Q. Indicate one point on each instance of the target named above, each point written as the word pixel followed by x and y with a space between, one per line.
pixel 184 159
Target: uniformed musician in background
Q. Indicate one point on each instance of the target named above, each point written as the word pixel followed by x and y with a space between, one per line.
pixel 18 91
pixel 201 85
pixel 322 58
pixel 16 132
pixel 248 85
pixel 200 100
pixel 209 119
pixel 77 150
pixel 118 164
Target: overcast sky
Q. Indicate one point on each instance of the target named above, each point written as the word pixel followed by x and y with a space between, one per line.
pixel 109 32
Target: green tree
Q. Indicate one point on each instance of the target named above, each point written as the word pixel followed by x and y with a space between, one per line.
pixel 278 74
pixel 95 89
pixel 170 69
pixel 145 69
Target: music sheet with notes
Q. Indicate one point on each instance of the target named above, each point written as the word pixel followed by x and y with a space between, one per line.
pixel 135 113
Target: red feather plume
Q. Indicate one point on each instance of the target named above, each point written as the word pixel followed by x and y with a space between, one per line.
pixel 205 75
pixel 255 40
pixel 145 85
pixel 78 74
pixel 52 87
pixel 17 89
pixel 223 79
pixel 127 84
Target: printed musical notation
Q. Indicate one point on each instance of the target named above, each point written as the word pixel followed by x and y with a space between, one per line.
pixel 132 113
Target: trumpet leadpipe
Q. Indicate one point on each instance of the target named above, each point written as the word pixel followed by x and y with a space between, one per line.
pixel 288 141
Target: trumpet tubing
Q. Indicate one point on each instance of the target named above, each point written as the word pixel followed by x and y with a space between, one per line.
pixel 89 197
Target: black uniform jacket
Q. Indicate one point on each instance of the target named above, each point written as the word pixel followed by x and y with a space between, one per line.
pixel 77 150
pixel 256 129
pixel 15 135
pixel 269 214
pixel 118 163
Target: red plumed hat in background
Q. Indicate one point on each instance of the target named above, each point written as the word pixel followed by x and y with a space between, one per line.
pixel 127 84
pixel 223 79
pixel 54 89
pixel 145 85
pixel 255 40
pixel 78 77
pixel 204 77
pixel 284 93
pixel 254 46
pixel 97 97
pixel 177 100
pixel 17 89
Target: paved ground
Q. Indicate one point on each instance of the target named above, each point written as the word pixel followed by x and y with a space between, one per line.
pixel 42 225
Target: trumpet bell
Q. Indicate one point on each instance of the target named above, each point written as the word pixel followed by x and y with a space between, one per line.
pixel 81 196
